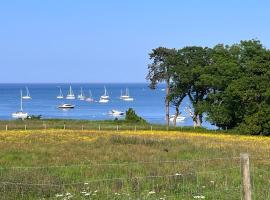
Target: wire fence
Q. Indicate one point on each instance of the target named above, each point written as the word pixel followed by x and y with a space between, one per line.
pixel 20 125
pixel 214 178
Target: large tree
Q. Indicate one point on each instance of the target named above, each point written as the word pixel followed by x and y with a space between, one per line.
pixel 163 59
pixel 195 60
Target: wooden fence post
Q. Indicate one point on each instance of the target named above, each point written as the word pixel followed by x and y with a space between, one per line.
pixel 6 127
pixel 151 128
pixel 246 186
pixel 25 127
pixel 99 127
pixel 117 127
pixel 64 126
pixel 82 127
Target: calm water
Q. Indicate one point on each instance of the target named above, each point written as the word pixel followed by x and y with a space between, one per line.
pixel 147 103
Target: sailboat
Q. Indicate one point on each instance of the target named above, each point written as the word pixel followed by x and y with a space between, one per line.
pixel 27 96
pixel 81 96
pixel 127 97
pixel 90 98
pixel 70 94
pixel 20 114
pixel 60 96
pixel 105 97
pixel 124 95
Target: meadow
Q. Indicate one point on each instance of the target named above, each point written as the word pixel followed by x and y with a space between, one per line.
pixel 129 164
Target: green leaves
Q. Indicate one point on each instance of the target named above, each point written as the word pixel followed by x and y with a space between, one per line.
pixel 230 84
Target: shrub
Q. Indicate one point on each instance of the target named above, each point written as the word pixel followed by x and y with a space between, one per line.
pixel 131 116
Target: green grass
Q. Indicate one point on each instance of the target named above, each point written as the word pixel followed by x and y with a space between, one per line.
pixel 41 164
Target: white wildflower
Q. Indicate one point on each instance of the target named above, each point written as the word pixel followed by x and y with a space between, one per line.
pixel 199 197
pixel 59 195
pixel 151 192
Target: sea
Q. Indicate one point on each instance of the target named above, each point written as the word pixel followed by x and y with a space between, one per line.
pixel 148 103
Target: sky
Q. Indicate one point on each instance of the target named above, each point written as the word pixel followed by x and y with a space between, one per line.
pixel 97 41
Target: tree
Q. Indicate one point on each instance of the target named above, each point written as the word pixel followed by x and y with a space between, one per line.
pixel 163 59
pixel 195 59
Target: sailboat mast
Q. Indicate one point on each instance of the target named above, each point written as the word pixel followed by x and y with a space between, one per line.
pixel 21 101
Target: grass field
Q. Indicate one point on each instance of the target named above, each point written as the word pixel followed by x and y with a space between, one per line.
pixel 84 164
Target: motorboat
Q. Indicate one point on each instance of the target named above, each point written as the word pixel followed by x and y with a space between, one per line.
pixel 20 114
pixel 70 94
pixel 116 113
pixel 81 96
pixel 66 106
pixel 27 96
pixel 60 96
pixel 178 119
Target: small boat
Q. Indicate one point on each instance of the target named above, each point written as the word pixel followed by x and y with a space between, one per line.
pixel 20 114
pixel 81 96
pixel 123 96
pixel 105 97
pixel 70 94
pixel 178 119
pixel 126 97
pixel 60 96
pixel 27 96
pixel 101 100
pixel 116 113
pixel 90 98
pixel 66 106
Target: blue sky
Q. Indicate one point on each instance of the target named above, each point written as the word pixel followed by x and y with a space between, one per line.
pixel 109 41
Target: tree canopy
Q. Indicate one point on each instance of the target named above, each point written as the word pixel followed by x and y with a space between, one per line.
pixel 229 84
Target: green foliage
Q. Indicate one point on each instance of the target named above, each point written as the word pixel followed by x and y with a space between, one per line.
pixel 131 116
pixel 230 84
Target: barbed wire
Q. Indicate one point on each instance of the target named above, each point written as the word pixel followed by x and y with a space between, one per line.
pixel 118 178
pixel 122 164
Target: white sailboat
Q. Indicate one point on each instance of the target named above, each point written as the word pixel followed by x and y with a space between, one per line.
pixel 126 97
pixel 27 96
pixel 123 96
pixel 81 96
pixel 90 98
pixel 105 97
pixel 60 96
pixel 70 94
pixel 20 114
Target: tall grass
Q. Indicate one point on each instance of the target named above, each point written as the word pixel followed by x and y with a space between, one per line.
pixel 50 164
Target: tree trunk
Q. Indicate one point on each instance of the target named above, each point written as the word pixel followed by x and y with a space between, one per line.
pixel 176 115
pixel 167 103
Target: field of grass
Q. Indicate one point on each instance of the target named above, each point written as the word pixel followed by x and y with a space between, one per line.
pixel 85 164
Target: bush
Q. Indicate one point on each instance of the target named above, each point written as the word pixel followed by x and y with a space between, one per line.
pixel 131 116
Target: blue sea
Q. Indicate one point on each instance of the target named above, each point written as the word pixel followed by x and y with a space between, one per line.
pixel 147 103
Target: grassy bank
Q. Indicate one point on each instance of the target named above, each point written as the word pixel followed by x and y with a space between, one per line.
pixel 59 164
pixel 88 125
